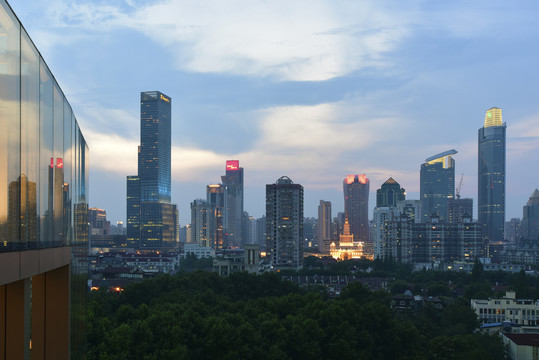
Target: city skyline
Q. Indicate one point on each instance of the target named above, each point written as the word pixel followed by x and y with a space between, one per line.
pixel 371 88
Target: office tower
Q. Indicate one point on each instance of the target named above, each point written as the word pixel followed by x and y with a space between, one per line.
pixel 284 223
pixel 152 221
pixel 43 207
pixel 458 208
pixel 389 193
pixel 387 198
pixel 310 232
pixel 324 226
pixel 199 222
pixel 246 229
pixel 530 219
pixel 216 201
pixel 356 205
pixel 491 175
pixel 233 206
pixel 437 184
pixel 260 232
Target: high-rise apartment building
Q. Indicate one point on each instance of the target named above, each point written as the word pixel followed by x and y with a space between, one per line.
pixel 324 226
pixel 43 207
pixel 387 198
pixel 437 184
pixel 232 183
pixel 356 205
pixel 458 208
pixel 284 223
pixel 491 175
pixel 200 213
pixel 151 218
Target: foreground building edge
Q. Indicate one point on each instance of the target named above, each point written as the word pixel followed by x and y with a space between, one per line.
pixel 43 207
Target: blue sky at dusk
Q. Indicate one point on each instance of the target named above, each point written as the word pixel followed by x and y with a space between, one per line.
pixel 314 90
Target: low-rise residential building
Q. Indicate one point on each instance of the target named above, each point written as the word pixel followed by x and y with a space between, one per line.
pixel 508 308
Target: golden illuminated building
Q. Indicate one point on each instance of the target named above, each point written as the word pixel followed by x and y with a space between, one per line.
pixel 347 248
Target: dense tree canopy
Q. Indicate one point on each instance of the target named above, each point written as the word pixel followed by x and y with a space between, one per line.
pixel 203 316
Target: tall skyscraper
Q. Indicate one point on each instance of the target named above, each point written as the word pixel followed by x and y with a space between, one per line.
pixel 324 226
pixel 153 225
pixel 284 223
pixel 356 205
pixel 233 206
pixel 199 222
pixel 491 175
pixel 437 184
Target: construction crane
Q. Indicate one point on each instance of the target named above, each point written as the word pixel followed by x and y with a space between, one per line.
pixel 457 192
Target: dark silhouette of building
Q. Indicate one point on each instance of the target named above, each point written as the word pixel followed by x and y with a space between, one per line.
pixel 154 227
pixel 437 184
pixel 216 202
pixel 529 226
pixel 324 226
pixel 356 205
pixel 284 223
pixel 491 175
pixel 458 208
pixel 389 193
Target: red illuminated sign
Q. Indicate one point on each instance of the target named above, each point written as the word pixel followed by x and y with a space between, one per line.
pixel 52 162
pixel 232 164
pixel 59 163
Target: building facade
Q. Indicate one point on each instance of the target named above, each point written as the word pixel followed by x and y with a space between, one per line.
pixel 458 208
pixel 356 205
pixel 491 175
pixel 152 220
pixel 324 226
pixel 232 183
pixel 44 162
pixel 284 223
pixel 216 202
pixel 437 184
pixel 200 213
pixel 529 227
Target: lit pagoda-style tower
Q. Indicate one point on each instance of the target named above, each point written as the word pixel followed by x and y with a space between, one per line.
pixel 348 248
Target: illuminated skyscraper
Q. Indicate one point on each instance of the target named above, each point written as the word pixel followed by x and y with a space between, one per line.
pixel 153 225
pixel 233 205
pixel 491 175
pixel 437 184
pixel 356 205
pixel 284 223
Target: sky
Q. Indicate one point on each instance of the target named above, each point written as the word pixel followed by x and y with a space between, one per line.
pixel 311 89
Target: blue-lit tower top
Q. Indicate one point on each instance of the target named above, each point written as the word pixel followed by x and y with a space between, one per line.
pixel 155 147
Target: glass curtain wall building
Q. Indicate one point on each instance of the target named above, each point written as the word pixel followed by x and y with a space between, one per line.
pixel 491 175
pixel 233 206
pixel 43 206
pixel 151 218
pixel 437 184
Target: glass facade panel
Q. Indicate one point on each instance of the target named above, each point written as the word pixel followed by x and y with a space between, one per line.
pixel 29 142
pixel 10 125
pixel 44 166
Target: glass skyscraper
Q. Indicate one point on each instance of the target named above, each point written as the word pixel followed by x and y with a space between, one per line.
pixel 151 218
pixel 437 184
pixel 491 175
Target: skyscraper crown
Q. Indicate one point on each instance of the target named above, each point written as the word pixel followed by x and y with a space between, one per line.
pixel 493 117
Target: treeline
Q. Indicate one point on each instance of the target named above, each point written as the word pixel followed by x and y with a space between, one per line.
pixel 203 316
